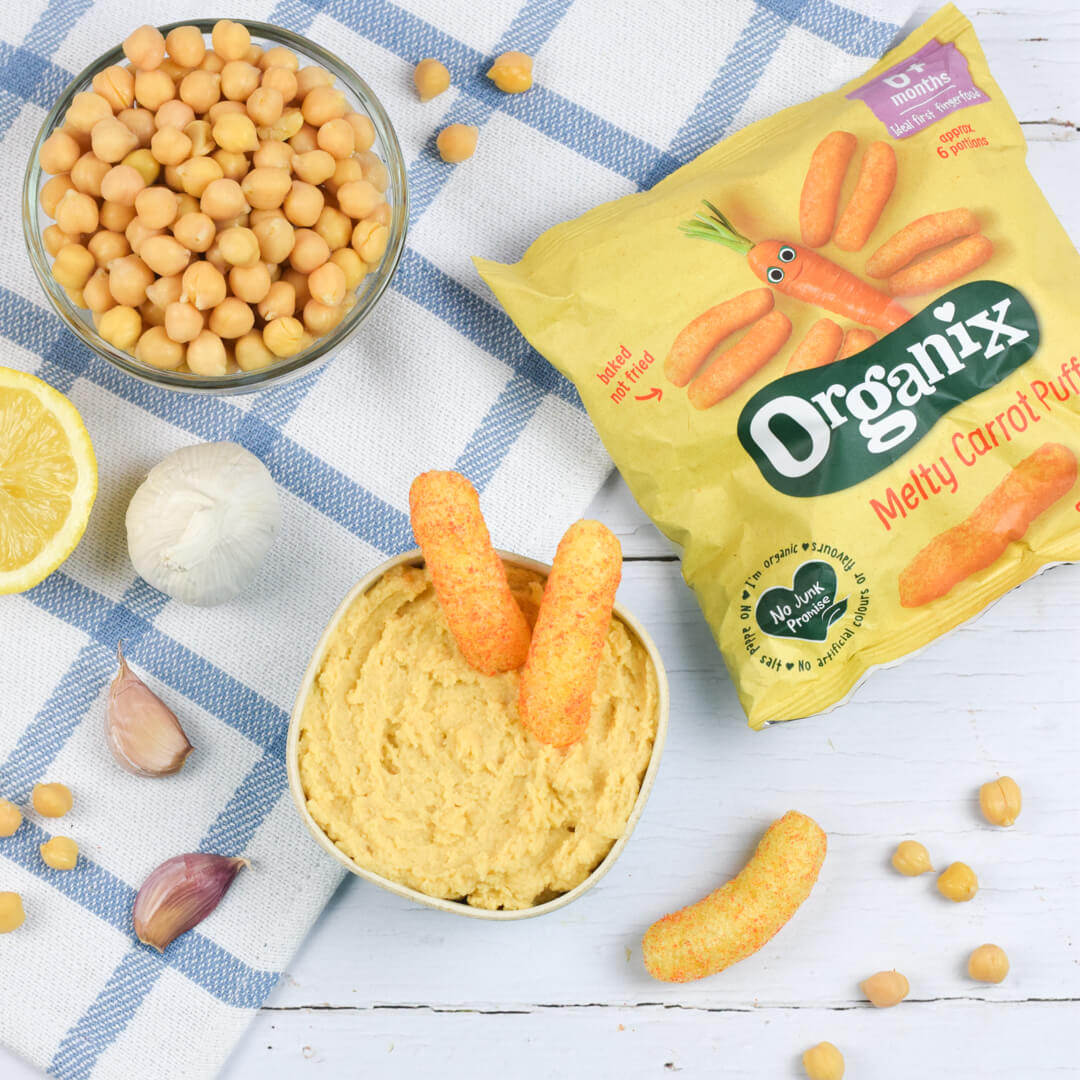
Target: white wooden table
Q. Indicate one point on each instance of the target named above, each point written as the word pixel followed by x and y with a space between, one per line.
pixel 386 988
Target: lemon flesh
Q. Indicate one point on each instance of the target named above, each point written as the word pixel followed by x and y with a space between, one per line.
pixel 48 479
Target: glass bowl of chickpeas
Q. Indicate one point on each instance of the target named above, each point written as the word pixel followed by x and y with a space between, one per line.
pixel 215 206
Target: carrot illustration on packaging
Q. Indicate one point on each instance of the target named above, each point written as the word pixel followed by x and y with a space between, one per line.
pixel 802 274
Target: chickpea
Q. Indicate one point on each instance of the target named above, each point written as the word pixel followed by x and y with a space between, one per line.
pixel 223 198
pixel 153 89
pixel 212 62
pixel 239 80
pixel 141 121
pixel 354 268
pixel 164 255
pixel 152 314
pixel 457 142
pixel 431 78
pixel 303 204
pixel 197 173
pixel 322 103
pixel 334 227
pixel 911 858
pixel 239 246
pixel 59 152
pixel 250 283
pixel 96 292
pixel 298 281
pixel 76 297
pixel 10 818
pixel 369 240
pixel 112 140
pixel 214 257
pixel 358 198
pixel 88 172
pixel 988 963
pixel 823 1062
pixel 77 213
pixel 345 172
pixel 115 217
pixel 156 207
pixel 314 166
pixel 52 191
pixel 138 232
pixel 157 349
pixel 363 130
pixel 885 989
pixel 73 266
pixel 284 336
pixel 175 113
pixel 200 89
pixel 165 291
pixel 203 285
pixel 276 238
pixel 116 85
pixel 231 40
pixel 55 238
pixel 106 245
pixel 86 109
pixel 336 138
pixel 234 166
pixel 382 214
pixel 251 352
pixel 12 915
pixel 51 800
pixel 305 140
pixel 81 137
pixel 186 204
pixel 319 318
pixel 195 231
pixel 143 162
pixel 129 277
pixel 202 139
pixel 225 108
pixel 1000 801
pixel 309 77
pixel 235 132
pixel 375 172
pixel 265 188
pixel 279 301
pixel 327 287
pixel 265 105
pixel 121 184
pixel 279 56
pixel 170 146
pixel 254 55
pixel 273 155
pixel 957 882
pixel 309 252
pixel 186 46
pixel 174 70
pixel 145 48
pixel 206 354
pixel 121 326
pixel 287 125
pixel 282 80
pixel 60 853
pixel 231 318
pixel 512 72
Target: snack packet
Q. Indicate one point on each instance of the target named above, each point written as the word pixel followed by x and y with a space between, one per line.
pixel 833 357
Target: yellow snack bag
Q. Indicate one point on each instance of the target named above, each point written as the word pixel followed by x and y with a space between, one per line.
pixel 833 357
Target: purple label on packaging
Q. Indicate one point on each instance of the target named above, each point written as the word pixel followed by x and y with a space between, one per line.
pixel 922 89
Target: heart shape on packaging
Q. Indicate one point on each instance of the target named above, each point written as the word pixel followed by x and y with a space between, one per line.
pixel 807 610
pixel 945 312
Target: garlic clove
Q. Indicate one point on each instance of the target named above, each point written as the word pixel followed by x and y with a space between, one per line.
pixel 179 894
pixel 142 731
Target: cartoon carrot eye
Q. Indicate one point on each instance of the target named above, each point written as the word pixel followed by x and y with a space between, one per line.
pixel 774 274
pixel 786 254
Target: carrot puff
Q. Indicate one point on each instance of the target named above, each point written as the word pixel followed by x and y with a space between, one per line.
pixel 818 348
pixel 943 267
pixel 555 697
pixel 855 340
pixel 821 189
pixel 468 576
pixel 919 236
pixel 877 177
pixel 698 338
pixel 803 274
pixel 735 365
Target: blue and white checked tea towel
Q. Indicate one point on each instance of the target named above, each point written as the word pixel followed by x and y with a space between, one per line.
pixel 437 378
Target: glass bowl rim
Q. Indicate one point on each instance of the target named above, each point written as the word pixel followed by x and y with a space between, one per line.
pixel 282 370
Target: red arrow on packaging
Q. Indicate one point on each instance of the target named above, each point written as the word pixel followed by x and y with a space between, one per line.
pixel 655 392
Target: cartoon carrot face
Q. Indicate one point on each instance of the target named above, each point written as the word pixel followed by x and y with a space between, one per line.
pixel 803 274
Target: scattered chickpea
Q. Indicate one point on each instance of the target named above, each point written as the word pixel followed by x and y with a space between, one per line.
pixel 1000 801
pixel 911 858
pixel 457 142
pixel 12 915
pixel 284 336
pixel 206 354
pixel 145 48
pixel 988 963
pixel 157 349
pixel 59 152
pixel 251 352
pixel 231 40
pixel 73 266
pixel 823 1062
pixel 10 818
pixel 51 800
pixel 431 78
pixel 512 72
pixel 885 989
pixel 185 45
pixel 60 853
pixel 121 327
pixel 958 882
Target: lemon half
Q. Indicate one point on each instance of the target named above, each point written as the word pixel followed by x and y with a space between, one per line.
pixel 48 479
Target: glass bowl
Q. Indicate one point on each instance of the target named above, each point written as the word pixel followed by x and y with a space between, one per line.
pixel 359 96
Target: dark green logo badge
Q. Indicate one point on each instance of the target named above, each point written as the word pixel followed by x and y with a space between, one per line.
pixel 807 609
pixel 823 430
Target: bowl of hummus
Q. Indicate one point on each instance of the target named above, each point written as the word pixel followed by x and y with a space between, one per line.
pixel 414 771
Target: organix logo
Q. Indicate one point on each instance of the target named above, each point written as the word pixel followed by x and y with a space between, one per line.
pixel 822 430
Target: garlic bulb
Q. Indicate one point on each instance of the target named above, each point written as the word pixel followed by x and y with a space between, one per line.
pixel 202 522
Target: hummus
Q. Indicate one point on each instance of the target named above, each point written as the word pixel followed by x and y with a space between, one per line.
pixel 417 767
